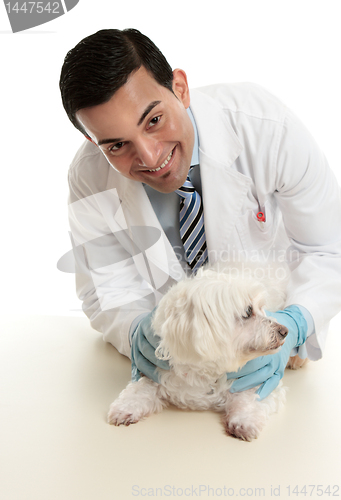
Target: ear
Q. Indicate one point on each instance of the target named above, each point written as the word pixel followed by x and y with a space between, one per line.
pixel 186 322
pixel 180 87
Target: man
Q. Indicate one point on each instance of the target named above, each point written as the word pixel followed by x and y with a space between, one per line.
pixel 265 188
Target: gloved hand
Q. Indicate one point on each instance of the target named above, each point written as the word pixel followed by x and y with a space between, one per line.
pixel 143 345
pixel 268 370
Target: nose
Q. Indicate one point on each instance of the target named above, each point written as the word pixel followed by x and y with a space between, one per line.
pixel 148 152
pixel 282 330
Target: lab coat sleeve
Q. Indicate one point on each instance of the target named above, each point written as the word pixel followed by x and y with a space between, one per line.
pixel 309 198
pixel 111 289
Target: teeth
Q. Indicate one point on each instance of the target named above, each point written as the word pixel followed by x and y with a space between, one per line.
pixel 164 163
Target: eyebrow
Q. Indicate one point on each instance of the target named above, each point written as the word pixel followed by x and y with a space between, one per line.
pixel 143 116
pixel 147 111
pixel 108 141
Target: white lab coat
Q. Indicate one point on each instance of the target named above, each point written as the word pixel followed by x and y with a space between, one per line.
pixel 255 155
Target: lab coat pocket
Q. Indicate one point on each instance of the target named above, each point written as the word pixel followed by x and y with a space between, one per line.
pixel 257 229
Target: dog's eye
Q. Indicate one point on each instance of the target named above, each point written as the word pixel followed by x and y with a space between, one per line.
pixel 248 312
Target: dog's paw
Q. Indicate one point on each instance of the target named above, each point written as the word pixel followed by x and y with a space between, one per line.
pixel 119 416
pixel 240 430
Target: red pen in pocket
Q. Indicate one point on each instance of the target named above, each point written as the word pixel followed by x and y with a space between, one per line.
pixel 261 216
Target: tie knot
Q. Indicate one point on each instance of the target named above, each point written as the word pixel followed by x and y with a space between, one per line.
pixel 186 190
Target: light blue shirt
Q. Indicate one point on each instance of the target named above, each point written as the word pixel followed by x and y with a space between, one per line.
pixel 166 208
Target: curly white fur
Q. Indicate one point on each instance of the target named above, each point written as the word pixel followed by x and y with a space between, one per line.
pixel 210 324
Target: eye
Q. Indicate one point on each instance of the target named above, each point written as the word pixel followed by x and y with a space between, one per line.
pixel 248 313
pixel 116 146
pixel 154 121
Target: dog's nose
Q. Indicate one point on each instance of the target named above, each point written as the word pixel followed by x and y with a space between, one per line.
pixel 282 330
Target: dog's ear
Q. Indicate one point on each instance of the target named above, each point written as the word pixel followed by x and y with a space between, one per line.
pixel 191 324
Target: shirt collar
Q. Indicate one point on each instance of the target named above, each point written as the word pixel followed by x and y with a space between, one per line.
pixel 195 154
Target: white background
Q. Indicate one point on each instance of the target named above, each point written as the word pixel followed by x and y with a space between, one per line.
pixel 290 47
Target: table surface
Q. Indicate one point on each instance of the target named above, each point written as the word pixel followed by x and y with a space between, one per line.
pixel 58 379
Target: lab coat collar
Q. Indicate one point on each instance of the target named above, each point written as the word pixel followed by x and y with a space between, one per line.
pixel 224 189
pixel 217 139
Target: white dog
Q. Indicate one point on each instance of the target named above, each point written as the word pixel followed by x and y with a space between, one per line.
pixel 211 324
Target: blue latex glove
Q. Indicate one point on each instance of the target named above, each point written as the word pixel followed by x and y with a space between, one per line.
pixel 269 370
pixel 143 345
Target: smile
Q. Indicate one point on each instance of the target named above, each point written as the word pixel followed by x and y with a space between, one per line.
pixel 163 164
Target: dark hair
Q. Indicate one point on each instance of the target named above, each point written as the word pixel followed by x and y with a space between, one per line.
pixel 101 63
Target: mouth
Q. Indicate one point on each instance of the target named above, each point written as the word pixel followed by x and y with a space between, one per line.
pixel 165 166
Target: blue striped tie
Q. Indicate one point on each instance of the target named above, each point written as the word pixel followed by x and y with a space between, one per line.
pixel 192 229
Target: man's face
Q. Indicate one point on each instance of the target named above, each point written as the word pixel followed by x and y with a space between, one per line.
pixel 145 131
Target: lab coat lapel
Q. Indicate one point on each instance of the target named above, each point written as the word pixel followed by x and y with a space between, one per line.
pixel 151 249
pixel 223 188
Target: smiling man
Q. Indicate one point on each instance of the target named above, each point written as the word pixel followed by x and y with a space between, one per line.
pixel 169 179
pixel 152 142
